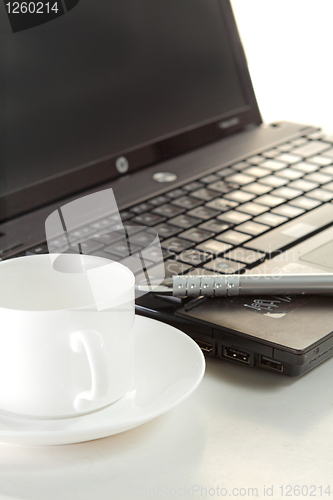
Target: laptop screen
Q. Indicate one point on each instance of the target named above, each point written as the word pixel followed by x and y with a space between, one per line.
pixel 113 79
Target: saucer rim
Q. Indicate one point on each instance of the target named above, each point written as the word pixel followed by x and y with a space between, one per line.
pixel 63 437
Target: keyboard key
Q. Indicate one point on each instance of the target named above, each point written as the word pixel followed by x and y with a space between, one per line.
pixel 205 194
pixel 321 160
pixel 299 142
pixel 303 185
pixel 288 211
pixel 208 179
pixel 125 215
pixel 89 246
pixel 166 254
pixel 121 251
pixel 132 229
pixel 108 238
pixel 329 153
pixel 245 255
pixel 168 211
pixel 271 153
pixel 234 217
pixel 104 224
pixel 148 219
pixel 327 170
pixel 287 192
pixel 306 203
pixel 142 207
pixel 306 167
pixel 220 186
pixel 200 271
pixel 122 248
pixel 315 135
pixel 270 200
pixel 293 231
pixel 252 208
pixel 164 231
pixel 57 245
pixel 160 200
pixel 274 164
pixel 289 158
pixel 81 234
pixel 186 202
pixel 240 179
pixel 321 194
pixel 319 177
pixel 214 247
pixel 221 204
pixel 185 221
pixel 287 146
pixel 225 171
pixel 239 196
pixel 215 225
pixel 270 219
pixel 144 238
pixel 194 257
pixel 176 193
pixel 274 181
pixel 192 186
pixel 257 171
pixel 252 228
pixel 140 267
pixel 327 137
pixel 311 148
pixel 233 237
pixel 40 249
pixel 329 186
pixel 197 235
pixel 290 173
pixel 240 165
pixel 171 268
pixel 255 160
pixel 152 254
pixel 134 263
pixel 257 188
pixel 224 266
pixel 176 244
pixel 203 213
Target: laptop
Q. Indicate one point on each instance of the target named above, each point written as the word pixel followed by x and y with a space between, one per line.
pixel 154 100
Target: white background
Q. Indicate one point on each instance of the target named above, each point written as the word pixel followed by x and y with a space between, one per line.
pixel 289 47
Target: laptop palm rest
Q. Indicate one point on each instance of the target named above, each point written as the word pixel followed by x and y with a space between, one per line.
pixel 321 256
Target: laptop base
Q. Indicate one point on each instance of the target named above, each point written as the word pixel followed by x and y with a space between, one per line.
pixel 233 331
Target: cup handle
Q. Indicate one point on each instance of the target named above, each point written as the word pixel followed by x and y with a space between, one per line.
pixel 91 342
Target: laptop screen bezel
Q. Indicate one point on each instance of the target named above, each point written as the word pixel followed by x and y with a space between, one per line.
pixel 97 173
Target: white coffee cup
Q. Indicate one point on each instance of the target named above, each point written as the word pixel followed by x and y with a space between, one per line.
pixel 66 338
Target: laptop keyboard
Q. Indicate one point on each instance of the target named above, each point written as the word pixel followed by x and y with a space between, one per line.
pixel 229 220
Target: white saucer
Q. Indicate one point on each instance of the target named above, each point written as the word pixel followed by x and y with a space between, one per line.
pixel 169 367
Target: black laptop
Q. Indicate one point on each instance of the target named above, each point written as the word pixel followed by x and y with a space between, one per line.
pixel 154 100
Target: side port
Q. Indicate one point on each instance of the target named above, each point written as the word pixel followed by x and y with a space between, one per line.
pixel 237 355
pixel 270 363
pixel 206 347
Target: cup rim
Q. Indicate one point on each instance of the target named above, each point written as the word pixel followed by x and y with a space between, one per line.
pixel 91 307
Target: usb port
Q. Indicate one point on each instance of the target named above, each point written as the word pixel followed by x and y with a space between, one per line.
pixel 230 352
pixel 271 363
pixel 204 346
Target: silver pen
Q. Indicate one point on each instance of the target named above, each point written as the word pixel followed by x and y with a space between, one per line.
pixel 230 285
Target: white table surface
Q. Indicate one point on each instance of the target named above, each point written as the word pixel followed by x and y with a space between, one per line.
pixel 243 431
pixel 242 428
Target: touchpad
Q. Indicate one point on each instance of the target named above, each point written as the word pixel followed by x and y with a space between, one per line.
pixel 322 255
